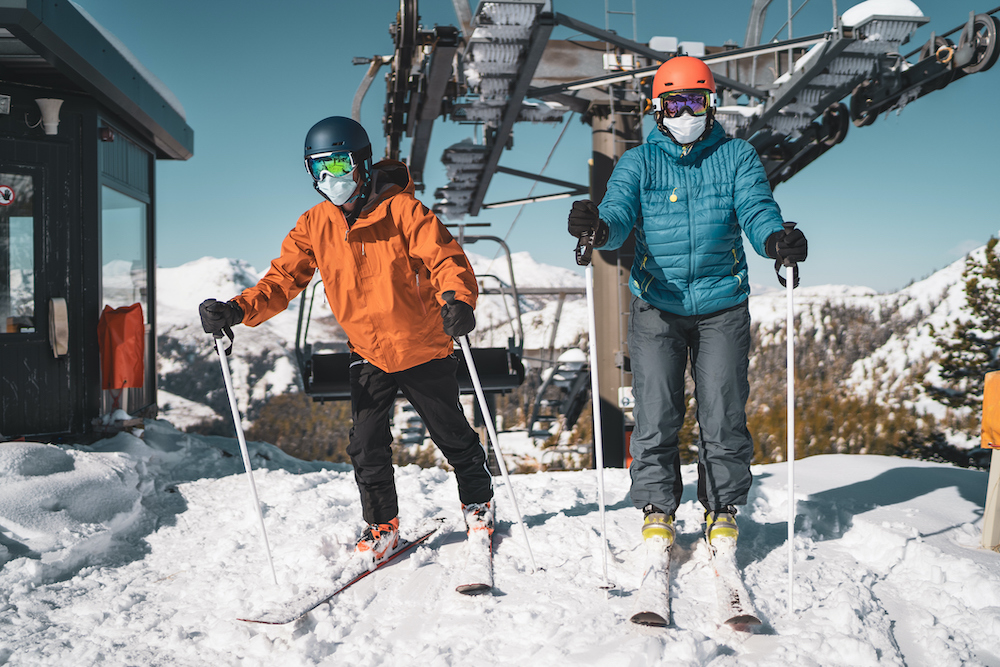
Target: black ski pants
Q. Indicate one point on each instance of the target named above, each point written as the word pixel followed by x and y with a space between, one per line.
pixel 432 390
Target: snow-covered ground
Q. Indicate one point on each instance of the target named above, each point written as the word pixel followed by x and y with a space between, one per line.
pixel 144 549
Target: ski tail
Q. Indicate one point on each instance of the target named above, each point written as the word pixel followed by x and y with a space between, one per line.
pixel 476 576
pixel 735 606
pixel 652 604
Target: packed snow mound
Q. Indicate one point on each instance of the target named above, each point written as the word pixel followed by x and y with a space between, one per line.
pixel 52 498
pixel 859 13
pixel 144 549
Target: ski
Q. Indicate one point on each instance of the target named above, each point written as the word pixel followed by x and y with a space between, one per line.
pixel 735 608
pixel 356 570
pixel 652 603
pixel 477 574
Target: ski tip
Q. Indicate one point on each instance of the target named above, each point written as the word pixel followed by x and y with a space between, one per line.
pixel 649 618
pixel 743 623
pixel 473 589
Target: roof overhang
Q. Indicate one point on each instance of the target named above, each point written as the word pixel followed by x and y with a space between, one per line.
pixel 53 42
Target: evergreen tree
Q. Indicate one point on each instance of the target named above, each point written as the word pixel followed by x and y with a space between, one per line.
pixel 304 428
pixel 969 349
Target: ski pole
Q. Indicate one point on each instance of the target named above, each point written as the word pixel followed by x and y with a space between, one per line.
pixel 584 250
pixel 221 347
pixel 791 281
pixel 449 297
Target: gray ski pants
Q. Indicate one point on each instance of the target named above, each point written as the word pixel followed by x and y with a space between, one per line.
pixel 718 345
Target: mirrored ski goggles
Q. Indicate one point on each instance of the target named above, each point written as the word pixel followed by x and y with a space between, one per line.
pixel 336 164
pixel 675 102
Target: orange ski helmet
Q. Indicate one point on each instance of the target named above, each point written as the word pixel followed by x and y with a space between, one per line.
pixel 682 73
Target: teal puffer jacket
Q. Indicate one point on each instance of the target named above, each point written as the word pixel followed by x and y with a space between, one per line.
pixel 688 210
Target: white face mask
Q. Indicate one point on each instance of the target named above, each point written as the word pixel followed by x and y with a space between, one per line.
pixel 338 189
pixel 687 128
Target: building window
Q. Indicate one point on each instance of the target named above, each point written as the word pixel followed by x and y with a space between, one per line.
pixel 17 253
pixel 124 251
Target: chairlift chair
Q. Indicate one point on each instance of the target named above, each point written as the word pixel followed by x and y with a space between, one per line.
pixel 325 368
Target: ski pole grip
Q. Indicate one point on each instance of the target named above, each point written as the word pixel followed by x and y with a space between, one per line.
pixel 789 226
pixel 449 297
pixel 584 249
pixel 792 267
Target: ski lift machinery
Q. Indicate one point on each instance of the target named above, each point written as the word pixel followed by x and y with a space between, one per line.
pixel 788 98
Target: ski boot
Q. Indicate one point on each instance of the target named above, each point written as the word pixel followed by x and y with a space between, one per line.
pixel 720 525
pixel 657 526
pixel 378 540
pixel 479 516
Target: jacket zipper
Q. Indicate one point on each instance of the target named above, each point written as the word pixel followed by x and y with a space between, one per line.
pixel 691 230
pixel 423 306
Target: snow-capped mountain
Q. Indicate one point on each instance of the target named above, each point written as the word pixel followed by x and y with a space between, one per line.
pixel 893 348
pixel 263 360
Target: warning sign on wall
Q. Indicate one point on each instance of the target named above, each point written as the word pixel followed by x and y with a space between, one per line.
pixel 6 195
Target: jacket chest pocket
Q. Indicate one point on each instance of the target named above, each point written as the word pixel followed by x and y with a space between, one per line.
pixel 365 251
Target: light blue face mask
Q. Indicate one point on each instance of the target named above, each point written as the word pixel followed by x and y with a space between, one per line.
pixel 338 189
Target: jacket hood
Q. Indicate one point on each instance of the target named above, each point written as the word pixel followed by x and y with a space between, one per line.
pixel 389 177
pixel 676 151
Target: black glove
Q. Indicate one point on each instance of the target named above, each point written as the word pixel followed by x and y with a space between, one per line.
pixel 218 317
pixel 585 220
pixel 458 316
pixel 791 247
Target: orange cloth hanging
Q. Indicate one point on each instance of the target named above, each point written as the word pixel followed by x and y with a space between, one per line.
pixel 121 333
pixel 991 411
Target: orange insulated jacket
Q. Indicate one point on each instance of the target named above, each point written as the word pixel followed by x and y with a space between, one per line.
pixel 383 276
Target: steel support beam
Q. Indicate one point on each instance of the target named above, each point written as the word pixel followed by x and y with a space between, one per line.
pixel 638 73
pixel 542 179
pixel 436 78
pixel 539 38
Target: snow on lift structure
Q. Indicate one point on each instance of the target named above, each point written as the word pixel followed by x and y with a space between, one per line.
pixel 802 115
pixel 325 367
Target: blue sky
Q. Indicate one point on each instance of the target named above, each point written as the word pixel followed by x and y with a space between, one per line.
pixel 891 204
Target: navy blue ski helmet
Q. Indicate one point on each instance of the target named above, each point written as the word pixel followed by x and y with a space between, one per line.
pixel 336 134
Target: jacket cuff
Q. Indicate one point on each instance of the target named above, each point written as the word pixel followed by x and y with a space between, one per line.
pixel 771 245
pixel 601 234
pixel 239 311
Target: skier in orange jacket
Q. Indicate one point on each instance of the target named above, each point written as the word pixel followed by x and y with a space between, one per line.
pixel 385 260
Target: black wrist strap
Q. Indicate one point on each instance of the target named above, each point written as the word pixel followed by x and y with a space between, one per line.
pixel 781 279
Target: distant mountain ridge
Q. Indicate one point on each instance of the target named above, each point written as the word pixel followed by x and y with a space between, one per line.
pixel 894 346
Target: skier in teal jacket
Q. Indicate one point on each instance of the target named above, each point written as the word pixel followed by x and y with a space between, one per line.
pixel 689 193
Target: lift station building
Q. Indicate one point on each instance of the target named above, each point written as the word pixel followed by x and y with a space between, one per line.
pixel 82 125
